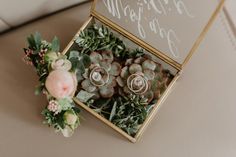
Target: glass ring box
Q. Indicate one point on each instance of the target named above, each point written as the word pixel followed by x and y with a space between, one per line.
pixel 130 54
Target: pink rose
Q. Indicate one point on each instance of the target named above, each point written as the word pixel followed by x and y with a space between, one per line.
pixel 61 83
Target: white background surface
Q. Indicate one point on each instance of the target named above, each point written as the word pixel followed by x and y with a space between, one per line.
pixel 15 12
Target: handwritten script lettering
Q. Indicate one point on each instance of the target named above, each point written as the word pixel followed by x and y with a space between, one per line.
pixel 161 7
pixel 137 14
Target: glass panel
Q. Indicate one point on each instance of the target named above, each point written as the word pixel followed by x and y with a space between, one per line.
pixel 172 27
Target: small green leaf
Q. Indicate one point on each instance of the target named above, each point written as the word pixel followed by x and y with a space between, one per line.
pixel 38 90
pixel 80 39
pixel 31 42
pixel 37 39
pixel 76 110
pixel 55 44
pixel 81 67
pixel 65 103
pixel 43 77
pixel 84 96
pixel 113 111
pixel 74 54
pixel 79 76
pixel 86 60
pixel 74 62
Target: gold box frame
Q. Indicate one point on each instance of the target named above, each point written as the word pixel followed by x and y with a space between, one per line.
pixel 149 48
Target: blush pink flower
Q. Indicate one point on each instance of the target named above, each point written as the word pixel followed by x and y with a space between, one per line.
pixel 61 84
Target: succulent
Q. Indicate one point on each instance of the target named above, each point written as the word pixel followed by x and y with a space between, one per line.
pixel 119 83
pixel 142 76
pixel 100 76
pixel 96 38
pixel 129 112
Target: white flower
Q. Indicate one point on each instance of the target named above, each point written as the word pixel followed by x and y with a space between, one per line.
pixel 67 131
pixel 70 118
pixel 51 56
pixel 61 64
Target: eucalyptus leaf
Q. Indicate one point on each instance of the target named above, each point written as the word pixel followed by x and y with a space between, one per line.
pixel 74 54
pixel 84 96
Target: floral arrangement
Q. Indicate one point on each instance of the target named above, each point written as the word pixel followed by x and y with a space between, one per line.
pixel 119 83
pixel 57 80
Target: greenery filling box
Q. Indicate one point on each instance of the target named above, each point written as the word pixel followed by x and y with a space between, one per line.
pixel 130 54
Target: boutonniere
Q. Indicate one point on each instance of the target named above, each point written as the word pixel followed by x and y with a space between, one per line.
pixel 57 80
